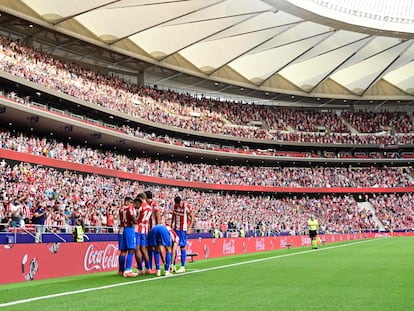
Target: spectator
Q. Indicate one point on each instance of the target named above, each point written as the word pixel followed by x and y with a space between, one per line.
pixel 16 210
pixel 38 220
pixel 5 222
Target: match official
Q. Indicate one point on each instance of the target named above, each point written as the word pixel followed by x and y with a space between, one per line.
pixel 313 231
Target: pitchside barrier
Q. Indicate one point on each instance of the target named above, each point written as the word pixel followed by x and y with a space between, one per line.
pixel 26 262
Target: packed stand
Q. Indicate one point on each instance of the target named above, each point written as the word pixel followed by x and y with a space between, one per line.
pixel 374 122
pixel 184 110
pixel 96 199
pixel 321 177
pixel 384 140
pixel 396 212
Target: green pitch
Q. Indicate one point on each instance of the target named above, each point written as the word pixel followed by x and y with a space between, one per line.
pixel 357 275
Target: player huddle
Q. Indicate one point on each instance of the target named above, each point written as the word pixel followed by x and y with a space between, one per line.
pixel 143 236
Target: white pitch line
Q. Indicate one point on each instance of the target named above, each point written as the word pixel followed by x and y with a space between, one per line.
pixel 308 251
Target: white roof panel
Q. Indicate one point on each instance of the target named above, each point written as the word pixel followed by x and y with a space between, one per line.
pixel 260 66
pixel 311 72
pixel 359 77
pixel 403 78
pixel 201 54
pixel 169 39
pixel 64 8
pixel 120 20
pixel 258 40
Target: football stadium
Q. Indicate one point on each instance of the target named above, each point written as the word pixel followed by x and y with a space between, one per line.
pixel 206 155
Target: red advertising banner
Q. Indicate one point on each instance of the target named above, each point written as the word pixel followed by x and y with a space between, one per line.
pixel 26 262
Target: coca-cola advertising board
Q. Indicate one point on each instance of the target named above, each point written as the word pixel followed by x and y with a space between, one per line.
pixel 26 262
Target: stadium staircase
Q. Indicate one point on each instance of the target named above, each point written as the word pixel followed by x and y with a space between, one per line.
pixel 350 127
pixel 369 207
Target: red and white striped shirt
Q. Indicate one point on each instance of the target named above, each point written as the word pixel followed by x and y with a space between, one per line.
pixel 59 220
pixel 174 236
pixel 127 216
pixel 144 217
pixel 180 214
pixel 49 219
pixel 155 210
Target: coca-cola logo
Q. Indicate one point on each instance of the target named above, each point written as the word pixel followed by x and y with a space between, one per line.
pixel 260 245
pixel 228 247
pixel 101 259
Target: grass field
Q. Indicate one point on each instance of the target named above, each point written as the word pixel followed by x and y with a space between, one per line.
pixel 357 275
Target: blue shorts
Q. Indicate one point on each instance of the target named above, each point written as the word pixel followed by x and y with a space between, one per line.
pixel 141 239
pixel 127 239
pixel 150 240
pixel 182 234
pixel 159 235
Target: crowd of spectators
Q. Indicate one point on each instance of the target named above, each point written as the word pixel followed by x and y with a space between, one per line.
pixel 374 122
pixel 201 113
pixel 316 176
pixel 68 195
pixel 227 147
pixel 383 140
pixel 396 212
pixel 322 138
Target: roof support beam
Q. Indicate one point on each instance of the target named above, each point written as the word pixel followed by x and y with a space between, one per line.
pixel 297 57
pixel 344 61
pixel 169 78
pixel 383 72
pixel 249 16
pixel 165 21
pixel 251 49
pixel 63 19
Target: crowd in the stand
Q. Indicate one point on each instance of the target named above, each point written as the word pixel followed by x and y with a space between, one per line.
pixel 68 195
pixel 374 122
pixel 394 211
pixel 201 113
pixel 226 146
pixel 318 176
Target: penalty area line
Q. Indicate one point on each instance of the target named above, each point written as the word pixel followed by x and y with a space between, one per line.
pixel 86 290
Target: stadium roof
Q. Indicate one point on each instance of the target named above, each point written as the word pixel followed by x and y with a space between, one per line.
pixel 339 49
